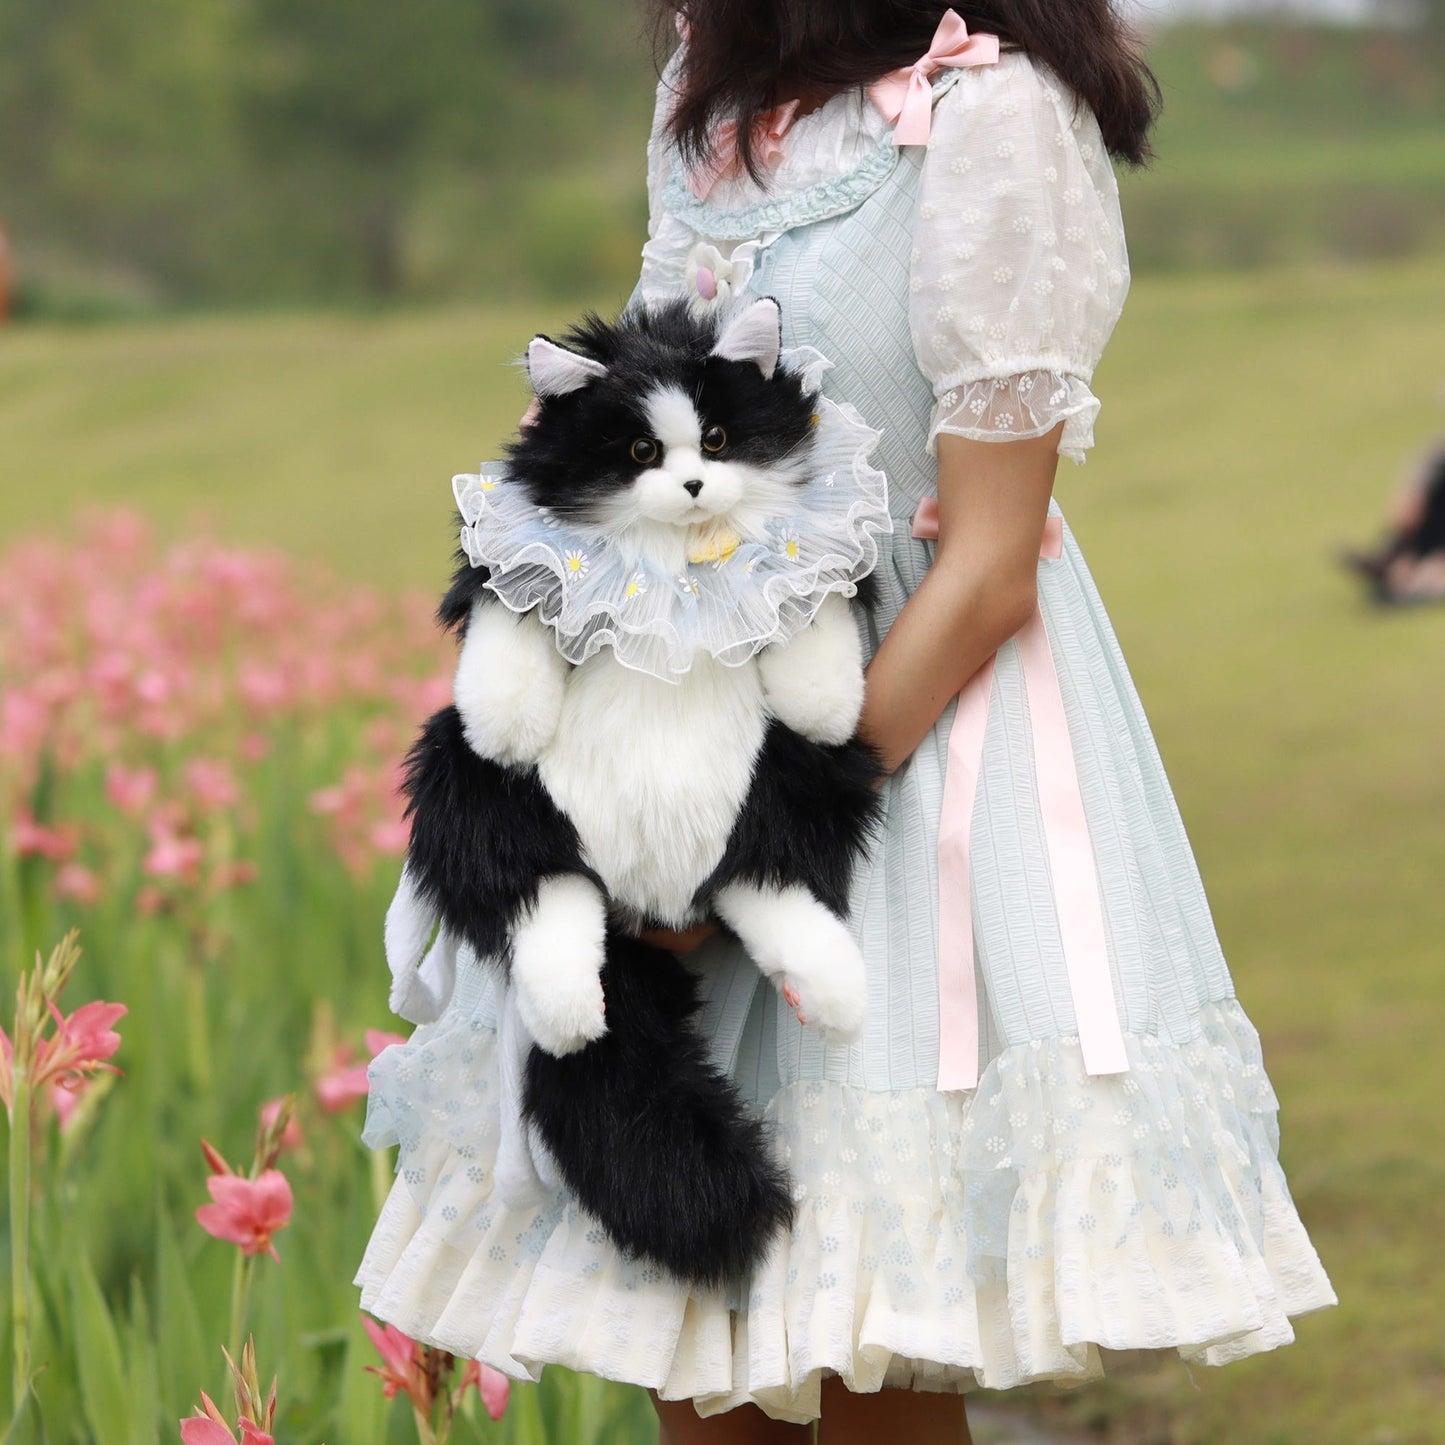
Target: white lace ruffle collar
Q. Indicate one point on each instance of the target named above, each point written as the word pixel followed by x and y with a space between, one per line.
pixel 734 597
pixel 832 141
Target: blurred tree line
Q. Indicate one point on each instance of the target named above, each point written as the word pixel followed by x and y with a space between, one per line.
pixel 227 150
pixel 184 152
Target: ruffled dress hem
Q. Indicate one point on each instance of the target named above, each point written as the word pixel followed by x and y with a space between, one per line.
pixel 1048 1226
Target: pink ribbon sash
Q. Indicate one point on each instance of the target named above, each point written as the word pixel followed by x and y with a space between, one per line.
pixel 1072 867
pixel 906 95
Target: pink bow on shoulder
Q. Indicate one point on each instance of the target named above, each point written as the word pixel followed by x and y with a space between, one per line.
pixel 906 96
pixel 768 132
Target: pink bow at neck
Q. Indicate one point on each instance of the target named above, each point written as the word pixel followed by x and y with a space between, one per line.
pixel 906 96
pixel 727 164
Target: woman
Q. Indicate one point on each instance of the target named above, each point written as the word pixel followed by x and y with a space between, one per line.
pixel 1055 1144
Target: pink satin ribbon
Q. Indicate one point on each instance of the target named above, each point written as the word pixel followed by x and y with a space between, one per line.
pixel 906 95
pixel 1072 867
pixel 727 164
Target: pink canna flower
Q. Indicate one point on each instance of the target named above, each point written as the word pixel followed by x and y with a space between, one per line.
pixel 77 883
pixel 234 875
pixel 206 1429
pixel 342 1085
pixel 212 785
pixel 131 790
pixel 80 1046
pixel 173 857
pixel 291 1135
pixel 391 836
pixel 247 1212
pixel 345 1082
pixel 24 721
pixel 492 1385
pixel 377 1040
pixel 65 1100
pixel 150 901
pixel 401 1371
pixel 211 1428
pixel 32 839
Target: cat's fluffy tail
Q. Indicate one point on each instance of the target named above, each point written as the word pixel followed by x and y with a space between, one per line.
pixel 651 1137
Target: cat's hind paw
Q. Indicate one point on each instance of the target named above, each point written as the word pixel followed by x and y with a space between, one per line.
pixel 824 982
pixel 558 950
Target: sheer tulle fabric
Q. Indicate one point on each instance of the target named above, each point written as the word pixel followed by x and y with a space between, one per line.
pixel 739 596
pixel 1030 405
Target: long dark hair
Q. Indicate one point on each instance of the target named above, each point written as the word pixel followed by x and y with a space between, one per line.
pixel 744 56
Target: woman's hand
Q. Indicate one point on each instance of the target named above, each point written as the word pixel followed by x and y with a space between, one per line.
pixel 679 941
pixel 993 498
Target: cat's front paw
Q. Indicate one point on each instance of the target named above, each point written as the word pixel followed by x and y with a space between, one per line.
pixel 558 950
pixel 509 685
pixel 813 683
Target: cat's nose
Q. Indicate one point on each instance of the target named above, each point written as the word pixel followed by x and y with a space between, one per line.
pixel 692 488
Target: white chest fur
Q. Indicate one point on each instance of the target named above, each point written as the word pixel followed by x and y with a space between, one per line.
pixel 653 774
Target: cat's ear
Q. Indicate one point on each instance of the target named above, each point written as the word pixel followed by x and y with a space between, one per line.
pixel 755 334
pixel 555 371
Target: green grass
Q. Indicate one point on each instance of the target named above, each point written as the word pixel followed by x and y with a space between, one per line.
pixel 1251 424
pixel 1282 143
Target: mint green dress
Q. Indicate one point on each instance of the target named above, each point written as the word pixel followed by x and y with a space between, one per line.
pixel 1049 1224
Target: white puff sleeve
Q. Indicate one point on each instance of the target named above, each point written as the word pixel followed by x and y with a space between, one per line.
pixel 1019 268
pixel 664 257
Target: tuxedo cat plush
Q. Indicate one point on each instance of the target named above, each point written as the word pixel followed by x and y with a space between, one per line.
pixel 654 724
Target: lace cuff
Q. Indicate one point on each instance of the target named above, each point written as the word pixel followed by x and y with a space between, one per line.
pixel 1011 408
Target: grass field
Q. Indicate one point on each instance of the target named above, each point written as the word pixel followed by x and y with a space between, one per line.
pixel 1251 423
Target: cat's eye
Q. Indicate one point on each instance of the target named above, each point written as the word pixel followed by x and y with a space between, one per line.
pixel 714 439
pixel 644 451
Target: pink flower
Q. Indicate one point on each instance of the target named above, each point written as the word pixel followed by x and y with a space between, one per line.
pixel 207 1429
pixel 150 901
pixel 76 882
pixel 211 1428
pixel 80 1045
pixel 247 1212
pixel 291 1136
pixel 23 723
pixel 130 789
pixel 391 837
pixel 493 1386
pixel 401 1371
pixel 29 838
pixel 173 857
pixel 234 875
pixel 65 1101
pixel 344 1083
pixel 212 784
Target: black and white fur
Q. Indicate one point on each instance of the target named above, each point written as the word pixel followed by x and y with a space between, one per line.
pixel 557 809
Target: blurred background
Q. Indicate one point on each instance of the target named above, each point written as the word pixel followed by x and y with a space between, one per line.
pixel 267 263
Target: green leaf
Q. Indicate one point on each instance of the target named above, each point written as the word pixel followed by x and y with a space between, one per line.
pixel 185 1358
pixel 27 1425
pixel 103 1386
pixel 144 1371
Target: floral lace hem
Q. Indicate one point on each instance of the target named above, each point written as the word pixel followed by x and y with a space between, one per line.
pixel 1011 408
pixel 1046 1227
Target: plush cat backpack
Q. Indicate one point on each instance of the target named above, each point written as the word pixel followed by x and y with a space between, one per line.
pixel 654 723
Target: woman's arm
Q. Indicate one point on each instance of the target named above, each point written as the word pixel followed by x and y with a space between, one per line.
pixel 993 498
